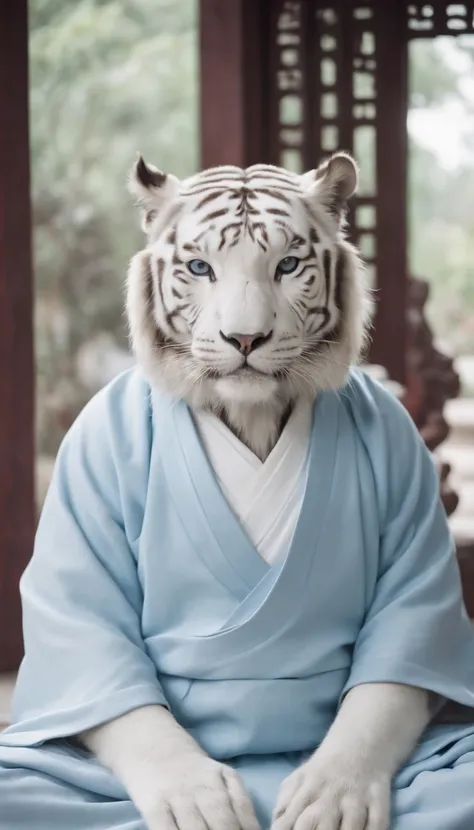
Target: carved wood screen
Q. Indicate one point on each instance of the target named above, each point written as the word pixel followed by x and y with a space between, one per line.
pixel 339 75
pixel 325 66
pixel 440 18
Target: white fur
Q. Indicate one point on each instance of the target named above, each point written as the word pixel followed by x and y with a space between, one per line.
pixel 171 781
pixel 245 297
pixel 346 783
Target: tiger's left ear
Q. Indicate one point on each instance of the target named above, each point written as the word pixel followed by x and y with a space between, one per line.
pixel 332 183
pixel 152 189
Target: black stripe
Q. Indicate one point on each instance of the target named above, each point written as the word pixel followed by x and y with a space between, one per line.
pixel 219 178
pixel 149 290
pixel 327 262
pixel 275 194
pixel 273 176
pixel 278 212
pixel 214 215
pixel 297 241
pixel 304 270
pixel 214 194
pixel 339 278
pixel 320 309
pixel 160 266
pixel 238 230
pixel 209 188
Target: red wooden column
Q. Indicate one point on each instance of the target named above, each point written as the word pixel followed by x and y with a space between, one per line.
pixel 17 510
pixel 390 334
pixel 234 81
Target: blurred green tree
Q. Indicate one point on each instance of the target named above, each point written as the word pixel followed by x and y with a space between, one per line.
pixel 441 200
pixel 108 78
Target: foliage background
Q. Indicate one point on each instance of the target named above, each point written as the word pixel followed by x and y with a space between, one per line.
pixel 110 77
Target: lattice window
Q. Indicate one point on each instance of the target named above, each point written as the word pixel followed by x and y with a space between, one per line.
pixel 289 77
pixel 364 114
pixel 347 113
pixel 433 19
pixel 327 97
pixel 327 45
pixel 421 19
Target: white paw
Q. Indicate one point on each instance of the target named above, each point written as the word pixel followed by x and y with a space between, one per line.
pixel 199 794
pixel 333 795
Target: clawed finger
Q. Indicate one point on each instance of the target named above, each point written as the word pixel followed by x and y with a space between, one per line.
pixel 217 810
pixel 188 817
pixel 379 814
pixel 316 817
pixel 162 819
pixel 287 791
pixel 300 801
pixel 241 803
pixel 354 815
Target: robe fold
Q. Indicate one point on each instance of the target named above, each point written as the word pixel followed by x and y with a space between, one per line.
pixel 145 588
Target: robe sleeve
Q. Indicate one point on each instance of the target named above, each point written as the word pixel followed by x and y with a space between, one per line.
pixel 416 630
pixel 85 659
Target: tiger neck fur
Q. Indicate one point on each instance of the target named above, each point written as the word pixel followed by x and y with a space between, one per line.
pixel 258 425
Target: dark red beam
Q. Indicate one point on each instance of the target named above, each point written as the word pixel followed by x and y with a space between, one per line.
pixel 390 335
pixel 233 81
pixel 17 511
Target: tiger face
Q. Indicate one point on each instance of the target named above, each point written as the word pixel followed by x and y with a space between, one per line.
pixel 246 289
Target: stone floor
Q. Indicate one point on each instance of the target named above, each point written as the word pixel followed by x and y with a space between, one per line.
pixel 458 451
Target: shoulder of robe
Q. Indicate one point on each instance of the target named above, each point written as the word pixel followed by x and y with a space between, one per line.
pixel 388 432
pixel 112 436
pixel 374 406
pixel 106 453
pixel 117 419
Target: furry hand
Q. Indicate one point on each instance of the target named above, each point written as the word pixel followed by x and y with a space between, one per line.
pixel 331 794
pixel 346 784
pixel 196 793
pixel 172 782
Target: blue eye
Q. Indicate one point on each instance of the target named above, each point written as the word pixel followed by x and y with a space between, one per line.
pixel 199 268
pixel 288 265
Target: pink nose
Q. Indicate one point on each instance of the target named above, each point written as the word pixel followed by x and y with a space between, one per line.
pixel 246 343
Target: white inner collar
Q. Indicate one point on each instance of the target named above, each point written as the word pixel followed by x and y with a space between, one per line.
pixel 265 496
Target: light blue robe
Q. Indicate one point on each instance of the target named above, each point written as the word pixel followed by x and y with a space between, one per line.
pixel 144 589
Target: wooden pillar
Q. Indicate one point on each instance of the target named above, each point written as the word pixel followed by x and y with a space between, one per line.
pixel 234 81
pixel 390 335
pixel 17 513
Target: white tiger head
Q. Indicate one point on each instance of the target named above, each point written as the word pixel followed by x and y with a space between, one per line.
pixel 246 292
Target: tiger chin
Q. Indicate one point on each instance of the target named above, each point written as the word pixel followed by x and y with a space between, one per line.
pixel 247 294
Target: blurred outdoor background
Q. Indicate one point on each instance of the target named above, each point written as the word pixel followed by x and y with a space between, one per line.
pixel 110 77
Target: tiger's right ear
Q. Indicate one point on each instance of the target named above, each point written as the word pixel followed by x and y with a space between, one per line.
pixel 152 190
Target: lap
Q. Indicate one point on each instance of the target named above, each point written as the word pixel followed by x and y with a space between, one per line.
pixel 34 796
pixel 434 794
pixel 437 799
pixel 435 790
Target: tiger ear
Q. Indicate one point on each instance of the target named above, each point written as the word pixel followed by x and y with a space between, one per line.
pixel 333 183
pixel 152 190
